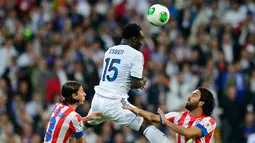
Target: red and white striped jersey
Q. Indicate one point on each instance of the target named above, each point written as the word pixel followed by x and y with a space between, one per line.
pixel 205 123
pixel 63 122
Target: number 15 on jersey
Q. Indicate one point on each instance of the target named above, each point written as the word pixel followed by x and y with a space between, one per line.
pixel 112 67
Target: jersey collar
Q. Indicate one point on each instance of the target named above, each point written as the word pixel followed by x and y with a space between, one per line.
pixel 124 43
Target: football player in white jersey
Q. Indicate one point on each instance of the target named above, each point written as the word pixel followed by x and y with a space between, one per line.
pixel 122 71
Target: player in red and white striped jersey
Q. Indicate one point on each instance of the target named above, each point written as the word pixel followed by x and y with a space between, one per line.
pixel 194 125
pixel 64 121
pixel 205 123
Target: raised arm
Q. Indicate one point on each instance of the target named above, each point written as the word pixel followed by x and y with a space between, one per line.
pixel 147 115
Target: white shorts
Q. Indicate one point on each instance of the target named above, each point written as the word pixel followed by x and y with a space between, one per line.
pixel 112 110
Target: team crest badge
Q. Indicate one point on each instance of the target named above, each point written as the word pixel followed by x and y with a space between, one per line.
pixel 208 125
pixel 81 125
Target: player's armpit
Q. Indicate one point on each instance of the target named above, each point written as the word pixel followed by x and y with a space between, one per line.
pixel 80 140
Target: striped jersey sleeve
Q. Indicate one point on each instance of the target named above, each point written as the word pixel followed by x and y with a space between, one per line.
pixel 77 126
pixel 206 125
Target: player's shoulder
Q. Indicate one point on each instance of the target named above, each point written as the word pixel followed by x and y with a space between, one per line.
pixel 127 49
pixel 175 113
pixel 78 116
pixel 136 55
pixel 209 119
pixel 184 113
pixel 75 116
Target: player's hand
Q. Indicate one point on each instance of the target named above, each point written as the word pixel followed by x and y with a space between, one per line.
pixel 163 117
pixel 92 116
pixel 134 110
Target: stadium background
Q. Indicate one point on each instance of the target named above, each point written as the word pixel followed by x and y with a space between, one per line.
pixel 44 43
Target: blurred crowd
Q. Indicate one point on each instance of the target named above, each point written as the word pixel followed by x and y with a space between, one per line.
pixel 44 43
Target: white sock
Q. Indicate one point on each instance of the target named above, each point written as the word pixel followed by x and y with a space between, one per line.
pixel 154 135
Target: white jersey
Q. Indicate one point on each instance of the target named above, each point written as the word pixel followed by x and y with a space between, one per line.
pixel 120 63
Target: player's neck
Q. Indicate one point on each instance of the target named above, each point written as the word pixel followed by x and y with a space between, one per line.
pixel 124 42
pixel 197 112
pixel 74 106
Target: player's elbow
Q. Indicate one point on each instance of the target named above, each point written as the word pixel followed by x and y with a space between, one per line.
pixel 135 86
pixel 150 119
pixel 147 120
pixel 136 83
pixel 188 135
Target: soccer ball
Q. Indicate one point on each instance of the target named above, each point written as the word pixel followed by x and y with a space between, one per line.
pixel 158 15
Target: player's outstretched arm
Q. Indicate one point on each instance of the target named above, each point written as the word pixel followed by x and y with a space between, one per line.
pixel 147 115
pixel 92 116
pixel 187 132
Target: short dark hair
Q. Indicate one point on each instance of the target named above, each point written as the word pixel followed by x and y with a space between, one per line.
pixel 68 89
pixel 131 30
pixel 209 102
